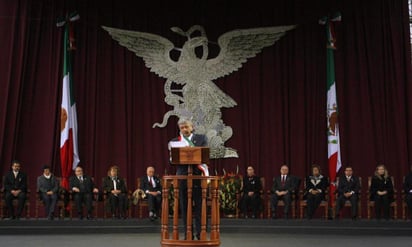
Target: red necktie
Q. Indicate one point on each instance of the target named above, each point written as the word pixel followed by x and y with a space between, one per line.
pixel 283 180
pixel 151 182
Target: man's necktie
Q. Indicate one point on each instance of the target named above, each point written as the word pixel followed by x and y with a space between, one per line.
pixel 283 180
pixel 151 182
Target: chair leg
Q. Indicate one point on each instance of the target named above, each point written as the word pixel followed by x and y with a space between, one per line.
pixel 27 211
pixel 301 212
pixel 395 212
pixel 369 212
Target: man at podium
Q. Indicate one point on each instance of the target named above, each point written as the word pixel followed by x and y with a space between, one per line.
pixel 187 138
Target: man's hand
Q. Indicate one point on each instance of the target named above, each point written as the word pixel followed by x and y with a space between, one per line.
pixel 347 194
pixel 381 193
pixel 250 193
pixel 314 192
pixel 15 192
pixel 95 190
pixel 75 189
pixel 49 193
pixel 281 193
pixel 154 193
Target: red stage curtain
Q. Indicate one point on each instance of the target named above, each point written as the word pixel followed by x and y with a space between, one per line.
pixel 281 95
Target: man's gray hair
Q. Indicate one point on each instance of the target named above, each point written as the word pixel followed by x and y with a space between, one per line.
pixel 184 121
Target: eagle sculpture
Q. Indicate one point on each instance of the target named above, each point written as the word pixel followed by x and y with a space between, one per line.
pixel 198 98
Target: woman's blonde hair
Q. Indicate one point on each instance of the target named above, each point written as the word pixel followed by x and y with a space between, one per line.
pixel 385 175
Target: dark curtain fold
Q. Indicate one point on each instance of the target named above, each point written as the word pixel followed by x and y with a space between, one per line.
pixel 281 95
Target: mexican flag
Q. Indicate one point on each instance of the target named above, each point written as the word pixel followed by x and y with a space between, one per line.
pixel 332 108
pixel 69 153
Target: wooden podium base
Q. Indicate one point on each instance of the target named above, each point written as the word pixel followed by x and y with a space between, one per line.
pixel 177 243
pixel 209 208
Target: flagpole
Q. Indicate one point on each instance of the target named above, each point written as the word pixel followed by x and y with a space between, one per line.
pixel 334 159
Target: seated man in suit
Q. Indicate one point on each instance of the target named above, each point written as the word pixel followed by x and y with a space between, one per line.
pixel 116 191
pixel 15 187
pixel 153 189
pixel 48 188
pixel 283 188
pixel 83 188
pixel 407 187
pixel 348 190
pixel 251 193
pixel 316 185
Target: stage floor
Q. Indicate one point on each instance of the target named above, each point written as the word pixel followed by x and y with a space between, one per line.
pixel 232 226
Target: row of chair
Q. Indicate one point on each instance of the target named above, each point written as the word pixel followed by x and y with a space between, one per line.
pixel 65 202
pixel 298 203
pixel 328 209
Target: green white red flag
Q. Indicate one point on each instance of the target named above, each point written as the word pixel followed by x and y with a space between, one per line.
pixel 69 153
pixel 332 105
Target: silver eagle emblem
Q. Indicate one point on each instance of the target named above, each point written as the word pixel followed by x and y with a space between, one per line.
pixel 189 87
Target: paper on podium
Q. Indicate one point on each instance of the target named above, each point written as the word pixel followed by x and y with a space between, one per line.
pixel 177 144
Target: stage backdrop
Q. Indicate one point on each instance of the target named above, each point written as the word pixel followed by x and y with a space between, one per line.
pixel 281 93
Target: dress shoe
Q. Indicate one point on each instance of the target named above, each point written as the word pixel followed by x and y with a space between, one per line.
pixel 51 217
pixel 89 217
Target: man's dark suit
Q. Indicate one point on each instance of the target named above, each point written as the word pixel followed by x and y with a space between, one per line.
pixel 84 196
pixel 407 187
pixel 15 183
pixel 289 186
pixel 45 185
pixel 198 141
pixel 154 201
pixel 119 201
pixel 251 184
pixel 345 186
pixel 313 200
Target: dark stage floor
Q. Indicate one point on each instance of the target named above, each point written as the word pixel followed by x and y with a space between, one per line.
pixel 233 226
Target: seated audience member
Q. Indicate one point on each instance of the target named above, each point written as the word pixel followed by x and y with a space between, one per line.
pixel 15 187
pixel 82 187
pixel 381 191
pixel 283 188
pixel 348 190
pixel 115 188
pixel 251 193
pixel 316 185
pixel 152 187
pixel 407 187
pixel 48 188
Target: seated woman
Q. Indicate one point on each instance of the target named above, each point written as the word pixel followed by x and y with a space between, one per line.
pixel 316 185
pixel 381 191
pixel 116 192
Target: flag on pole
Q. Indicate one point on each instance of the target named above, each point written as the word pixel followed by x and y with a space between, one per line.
pixel 69 153
pixel 332 106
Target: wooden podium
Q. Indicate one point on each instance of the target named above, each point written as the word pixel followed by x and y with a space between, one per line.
pixel 210 198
